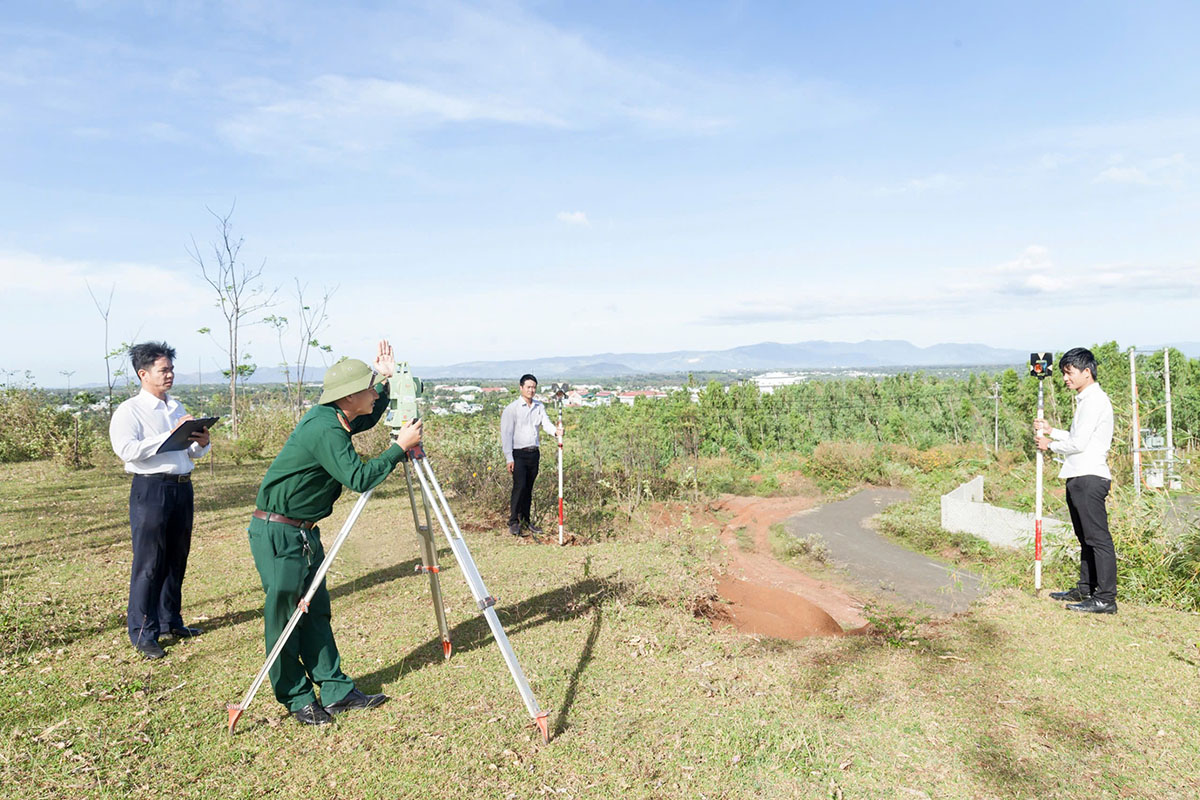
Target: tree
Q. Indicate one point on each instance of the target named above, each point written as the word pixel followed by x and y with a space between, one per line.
pixel 109 377
pixel 239 296
pixel 312 320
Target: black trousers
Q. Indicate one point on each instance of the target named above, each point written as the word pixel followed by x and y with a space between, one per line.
pixel 1097 557
pixel 160 518
pixel 525 470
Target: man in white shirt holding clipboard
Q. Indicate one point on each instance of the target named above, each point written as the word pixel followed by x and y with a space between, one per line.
pixel 160 498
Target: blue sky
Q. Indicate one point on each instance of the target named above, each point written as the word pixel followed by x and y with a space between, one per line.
pixel 508 180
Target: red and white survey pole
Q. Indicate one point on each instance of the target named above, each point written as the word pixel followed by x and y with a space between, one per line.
pixel 560 393
pixel 1040 365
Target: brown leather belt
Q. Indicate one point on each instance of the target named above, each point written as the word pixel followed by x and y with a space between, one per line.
pixel 295 523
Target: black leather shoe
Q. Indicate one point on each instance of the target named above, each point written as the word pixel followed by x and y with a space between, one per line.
pixel 150 649
pixel 1094 606
pixel 1075 595
pixel 185 632
pixel 356 699
pixel 515 530
pixel 534 529
pixel 312 714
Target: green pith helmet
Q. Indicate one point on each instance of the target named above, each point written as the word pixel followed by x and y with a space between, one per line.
pixel 345 378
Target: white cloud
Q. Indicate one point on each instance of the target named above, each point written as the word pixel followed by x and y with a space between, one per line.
pixel 930 183
pixel 457 64
pixel 25 274
pixel 1043 283
pixel 1122 175
pixel 1035 257
pixel 573 217
pixel 1160 171
pixel 1006 287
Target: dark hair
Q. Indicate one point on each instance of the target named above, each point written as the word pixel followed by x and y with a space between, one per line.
pixel 1080 358
pixel 526 377
pixel 145 354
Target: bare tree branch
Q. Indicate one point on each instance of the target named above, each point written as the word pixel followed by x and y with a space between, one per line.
pixel 239 295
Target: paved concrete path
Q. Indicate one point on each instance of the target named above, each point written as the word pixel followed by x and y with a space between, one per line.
pixel 894 574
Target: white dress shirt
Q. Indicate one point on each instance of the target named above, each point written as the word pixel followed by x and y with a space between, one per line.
pixel 519 426
pixel 140 425
pixel 1086 444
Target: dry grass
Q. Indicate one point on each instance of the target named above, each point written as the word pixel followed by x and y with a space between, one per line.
pixel 1015 700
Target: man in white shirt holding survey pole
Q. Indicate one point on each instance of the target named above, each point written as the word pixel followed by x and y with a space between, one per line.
pixel 519 441
pixel 1085 469
pixel 160 497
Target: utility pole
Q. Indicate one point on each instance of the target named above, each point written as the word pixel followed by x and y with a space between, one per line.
pixel 1136 440
pixel 1171 479
pixel 68 373
pixel 996 419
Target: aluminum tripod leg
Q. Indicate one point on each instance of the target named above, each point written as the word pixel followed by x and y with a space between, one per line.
pixel 449 526
pixel 429 563
pixel 235 711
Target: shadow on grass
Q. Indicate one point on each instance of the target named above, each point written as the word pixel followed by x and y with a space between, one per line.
pixel 996 747
pixel 585 657
pixel 77 629
pixel 559 605
pixel 999 759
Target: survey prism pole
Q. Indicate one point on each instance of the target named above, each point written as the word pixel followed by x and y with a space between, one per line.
pixel 560 392
pixel 235 711
pixel 1040 365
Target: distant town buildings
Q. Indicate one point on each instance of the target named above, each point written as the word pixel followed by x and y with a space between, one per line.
pixel 629 397
pixel 447 398
pixel 769 381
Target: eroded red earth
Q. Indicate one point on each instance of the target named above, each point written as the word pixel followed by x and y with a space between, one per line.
pixel 758 594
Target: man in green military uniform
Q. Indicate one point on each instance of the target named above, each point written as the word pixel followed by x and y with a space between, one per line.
pixel 299 490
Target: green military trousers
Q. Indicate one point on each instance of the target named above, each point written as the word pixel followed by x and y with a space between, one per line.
pixel 286 566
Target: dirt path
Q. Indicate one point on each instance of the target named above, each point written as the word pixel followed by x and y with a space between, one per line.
pixel 758 567
pixel 886 571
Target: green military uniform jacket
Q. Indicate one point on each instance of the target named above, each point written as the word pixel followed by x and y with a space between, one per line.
pixel 318 459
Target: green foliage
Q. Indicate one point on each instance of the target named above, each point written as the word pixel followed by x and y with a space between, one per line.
pixel 32 428
pixel 264 423
pixel 897 627
pixel 787 547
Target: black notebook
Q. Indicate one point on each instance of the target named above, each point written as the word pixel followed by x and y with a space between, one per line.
pixel 180 438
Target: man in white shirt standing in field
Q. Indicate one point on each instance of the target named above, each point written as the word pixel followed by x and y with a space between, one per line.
pixel 519 440
pixel 1088 480
pixel 160 498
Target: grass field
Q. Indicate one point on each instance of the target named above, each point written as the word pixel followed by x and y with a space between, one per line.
pixel 1016 699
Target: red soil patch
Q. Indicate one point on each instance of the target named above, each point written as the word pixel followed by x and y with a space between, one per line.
pixel 767 611
pixel 762 596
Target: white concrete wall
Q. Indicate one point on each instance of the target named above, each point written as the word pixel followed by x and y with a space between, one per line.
pixel 963 511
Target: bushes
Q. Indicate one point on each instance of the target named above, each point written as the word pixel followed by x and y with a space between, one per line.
pixel 30 429
pixel 264 424
pixel 1153 566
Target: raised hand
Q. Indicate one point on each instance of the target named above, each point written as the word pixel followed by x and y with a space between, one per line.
pixel 385 362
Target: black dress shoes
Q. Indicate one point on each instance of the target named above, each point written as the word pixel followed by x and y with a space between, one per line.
pixel 1075 595
pixel 185 632
pixel 356 699
pixel 1094 606
pixel 150 649
pixel 534 529
pixel 515 529
pixel 312 714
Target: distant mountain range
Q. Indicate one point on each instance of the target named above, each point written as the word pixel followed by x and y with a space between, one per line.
pixel 763 356
pixel 872 353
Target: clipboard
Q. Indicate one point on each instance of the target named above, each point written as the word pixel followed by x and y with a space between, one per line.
pixel 180 438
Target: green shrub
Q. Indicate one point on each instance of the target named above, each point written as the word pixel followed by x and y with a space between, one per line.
pixel 31 428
